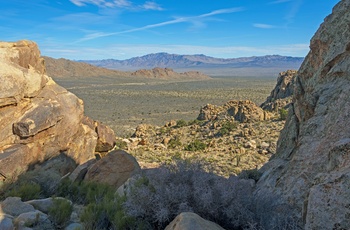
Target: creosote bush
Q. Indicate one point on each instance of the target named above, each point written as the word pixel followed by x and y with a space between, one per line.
pixel 161 194
pixel 196 145
pixel 60 212
pixel 180 123
pixel 227 127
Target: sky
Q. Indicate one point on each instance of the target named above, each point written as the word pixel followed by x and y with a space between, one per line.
pixel 122 29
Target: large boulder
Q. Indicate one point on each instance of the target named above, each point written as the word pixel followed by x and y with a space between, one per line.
pixel 114 169
pixel 311 169
pixel 190 221
pixel 281 95
pixel 40 119
pixel 14 206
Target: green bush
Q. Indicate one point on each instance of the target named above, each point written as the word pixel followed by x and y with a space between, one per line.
pixel 196 145
pixel 173 143
pixel 283 114
pixel 103 207
pixel 60 212
pixel 25 190
pixel 121 144
pixel 227 127
pixel 180 123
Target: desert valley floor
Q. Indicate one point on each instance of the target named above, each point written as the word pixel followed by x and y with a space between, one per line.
pixel 123 103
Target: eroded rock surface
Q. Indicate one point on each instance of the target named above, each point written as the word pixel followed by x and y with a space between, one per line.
pixel 39 119
pixel 311 169
pixel 281 95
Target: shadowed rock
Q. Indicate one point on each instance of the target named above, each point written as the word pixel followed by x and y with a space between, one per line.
pixel 311 169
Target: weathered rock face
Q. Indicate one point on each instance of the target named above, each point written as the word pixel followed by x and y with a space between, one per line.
pixel 39 119
pixel 242 111
pixel 281 95
pixel 189 221
pixel 114 169
pixel 311 170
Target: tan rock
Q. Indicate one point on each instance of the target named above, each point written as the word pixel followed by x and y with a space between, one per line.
pixel 106 138
pixel 114 169
pixel 39 119
pixel 190 221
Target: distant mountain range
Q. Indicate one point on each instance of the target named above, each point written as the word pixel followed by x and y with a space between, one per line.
pixel 61 68
pixel 269 65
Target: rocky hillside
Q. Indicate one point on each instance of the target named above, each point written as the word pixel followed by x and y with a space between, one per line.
pixel 58 68
pixel 281 95
pixel 311 169
pixel 233 137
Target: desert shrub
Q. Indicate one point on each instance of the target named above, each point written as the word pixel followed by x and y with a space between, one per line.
pixel 85 192
pixel 107 214
pixel 60 212
pixel 196 145
pixel 121 144
pixel 250 174
pixel 173 143
pixel 196 122
pixel 283 114
pixel 185 186
pixel 25 190
pixel 227 127
pixel 103 207
pixel 180 123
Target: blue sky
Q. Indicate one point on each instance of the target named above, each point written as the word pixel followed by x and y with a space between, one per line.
pixel 121 29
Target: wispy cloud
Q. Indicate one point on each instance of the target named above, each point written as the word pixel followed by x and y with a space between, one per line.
pixel 263 26
pixel 152 6
pixel 125 4
pixel 194 19
pixel 126 51
pixel 102 3
pixel 294 10
pixel 279 1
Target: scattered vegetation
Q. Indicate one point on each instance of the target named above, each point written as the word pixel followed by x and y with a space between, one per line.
pixel 180 123
pixel 25 190
pixel 227 127
pixel 174 143
pixel 196 145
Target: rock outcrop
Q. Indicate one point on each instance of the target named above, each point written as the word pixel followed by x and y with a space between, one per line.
pixel 167 73
pixel 242 111
pixel 114 169
pixel 311 169
pixel 39 119
pixel 190 221
pixel 281 95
